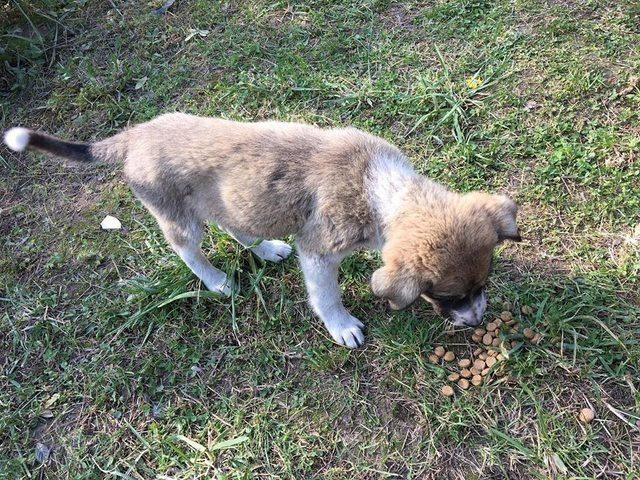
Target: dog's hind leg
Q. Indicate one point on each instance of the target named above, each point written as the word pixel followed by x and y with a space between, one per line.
pixel 271 250
pixel 182 228
pixel 185 240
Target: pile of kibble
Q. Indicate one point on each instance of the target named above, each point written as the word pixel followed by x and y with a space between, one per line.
pixel 495 340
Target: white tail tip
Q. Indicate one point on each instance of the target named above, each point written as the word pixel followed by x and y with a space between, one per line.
pixel 17 138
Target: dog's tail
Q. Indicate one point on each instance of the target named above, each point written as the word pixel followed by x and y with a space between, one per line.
pixel 109 150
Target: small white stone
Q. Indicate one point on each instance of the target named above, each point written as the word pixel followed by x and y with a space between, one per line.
pixel 110 223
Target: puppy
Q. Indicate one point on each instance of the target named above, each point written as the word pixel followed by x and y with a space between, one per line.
pixel 336 190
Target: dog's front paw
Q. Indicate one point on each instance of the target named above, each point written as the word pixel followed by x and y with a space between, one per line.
pixel 346 330
pixel 272 250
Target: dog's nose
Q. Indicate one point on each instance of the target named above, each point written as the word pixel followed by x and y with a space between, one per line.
pixel 471 314
pixel 466 317
pixel 474 323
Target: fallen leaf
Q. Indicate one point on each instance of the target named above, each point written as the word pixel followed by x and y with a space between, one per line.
pixel 164 7
pixel 562 468
pixel 42 452
pixel 193 32
pixel 141 82
pixel 229 443
pixel 193 444
pixel 52 399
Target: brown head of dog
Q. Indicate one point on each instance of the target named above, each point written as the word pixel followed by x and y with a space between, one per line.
pixel 442 250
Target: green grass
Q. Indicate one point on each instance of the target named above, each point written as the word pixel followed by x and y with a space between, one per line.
pixel 113 357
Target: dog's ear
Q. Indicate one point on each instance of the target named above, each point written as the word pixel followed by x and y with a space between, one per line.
pixel 397 287
pixel 502 212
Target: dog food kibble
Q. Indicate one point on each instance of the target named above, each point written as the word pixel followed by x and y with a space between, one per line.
pixel 464 363
pixel 447 391
pixel 472 370
pixel 586 415
pixel 506 315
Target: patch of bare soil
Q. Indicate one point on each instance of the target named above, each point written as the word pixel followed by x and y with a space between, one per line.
pixel 400 18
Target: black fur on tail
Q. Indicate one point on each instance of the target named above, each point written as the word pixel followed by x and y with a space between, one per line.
pixel 111 149
pixel 80 152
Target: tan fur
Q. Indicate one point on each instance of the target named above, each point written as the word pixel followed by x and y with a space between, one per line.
pixel 270 179
pixel 442 243
pixel 266 179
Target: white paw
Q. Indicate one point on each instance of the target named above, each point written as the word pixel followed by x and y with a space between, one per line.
pixel 346 330
pixel 221 286
pixel 272 250
pixel 224 289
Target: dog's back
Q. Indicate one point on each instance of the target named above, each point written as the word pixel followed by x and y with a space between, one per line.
pixel 267 179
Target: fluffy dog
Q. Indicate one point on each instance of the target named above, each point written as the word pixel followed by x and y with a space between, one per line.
pixel 336 190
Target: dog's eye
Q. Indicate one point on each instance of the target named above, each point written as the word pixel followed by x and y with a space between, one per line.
pixel 453 302
pixel 446 298
pixel 476 291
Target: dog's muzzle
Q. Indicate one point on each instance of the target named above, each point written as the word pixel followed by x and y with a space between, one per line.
pixel 467 314
pixel 471 313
